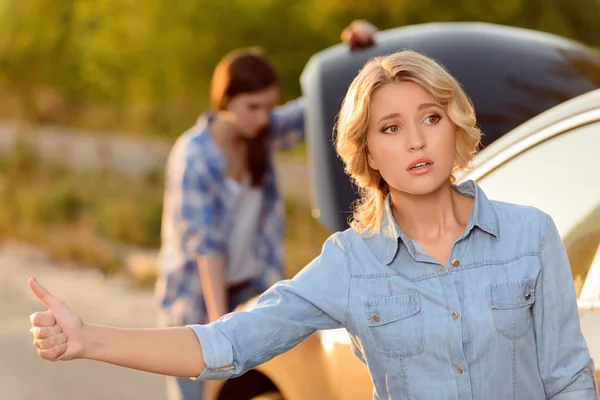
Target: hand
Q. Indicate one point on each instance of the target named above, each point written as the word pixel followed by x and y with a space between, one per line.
pixel 58 334
pixel 359 34
pixel 224 129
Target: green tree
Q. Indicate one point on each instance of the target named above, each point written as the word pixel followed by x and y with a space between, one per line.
pixel 145 66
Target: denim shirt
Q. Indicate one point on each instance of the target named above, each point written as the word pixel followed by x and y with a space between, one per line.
pixel 499 322
pixel 198 215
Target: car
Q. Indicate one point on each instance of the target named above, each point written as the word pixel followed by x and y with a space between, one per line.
pixel 558 151
pixel 511 75
pixel 538 102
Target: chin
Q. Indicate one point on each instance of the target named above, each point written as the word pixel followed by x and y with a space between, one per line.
pixel 422 185
pixel 251 134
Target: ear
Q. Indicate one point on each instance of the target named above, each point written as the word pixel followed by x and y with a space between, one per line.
pixel 371 161
pixel 225 103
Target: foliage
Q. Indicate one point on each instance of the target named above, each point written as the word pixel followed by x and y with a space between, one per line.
pixel 93 217
pixel 145 66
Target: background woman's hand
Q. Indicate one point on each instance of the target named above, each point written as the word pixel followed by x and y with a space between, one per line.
pixel 359 34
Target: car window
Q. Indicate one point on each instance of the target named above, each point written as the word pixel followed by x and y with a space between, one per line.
pixel 560 176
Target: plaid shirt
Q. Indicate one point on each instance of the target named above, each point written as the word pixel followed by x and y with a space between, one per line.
pixel 198 216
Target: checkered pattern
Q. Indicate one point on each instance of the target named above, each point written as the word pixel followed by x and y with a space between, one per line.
pixel 198 216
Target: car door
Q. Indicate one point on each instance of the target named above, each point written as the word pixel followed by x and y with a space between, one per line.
pixel 557 169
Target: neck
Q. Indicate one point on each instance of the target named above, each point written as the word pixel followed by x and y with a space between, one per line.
pixel 429 217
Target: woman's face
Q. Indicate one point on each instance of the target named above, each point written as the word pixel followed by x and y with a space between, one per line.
pixel 410 139
pixel 250 112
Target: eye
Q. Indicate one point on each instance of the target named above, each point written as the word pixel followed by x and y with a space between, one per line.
pixel 391 129
pixel 433 119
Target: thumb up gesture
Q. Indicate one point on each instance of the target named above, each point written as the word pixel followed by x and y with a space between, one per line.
pixel 58 334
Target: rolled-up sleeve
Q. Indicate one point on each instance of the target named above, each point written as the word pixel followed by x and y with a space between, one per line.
pixel 564 360
pixel 288 125
pixel 289 312
pixel 217 351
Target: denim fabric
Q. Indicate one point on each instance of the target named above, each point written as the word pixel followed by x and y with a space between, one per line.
pixel 498 321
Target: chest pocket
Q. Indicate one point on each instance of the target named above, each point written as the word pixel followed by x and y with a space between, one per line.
pixel 511 306
pixel 395 324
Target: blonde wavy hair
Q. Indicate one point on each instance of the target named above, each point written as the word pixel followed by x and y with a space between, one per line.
pixel 353 124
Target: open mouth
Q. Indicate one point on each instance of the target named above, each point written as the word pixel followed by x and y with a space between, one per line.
pixel 420 165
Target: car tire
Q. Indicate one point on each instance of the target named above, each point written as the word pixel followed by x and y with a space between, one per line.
pixel 269 396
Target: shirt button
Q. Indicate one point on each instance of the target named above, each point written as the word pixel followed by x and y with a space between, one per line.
pixel 455 262
pixel 375 318
pixel 454 315
pixel 459 369
pixel 527 296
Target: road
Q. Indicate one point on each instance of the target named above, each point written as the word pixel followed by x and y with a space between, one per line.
pixel 24 376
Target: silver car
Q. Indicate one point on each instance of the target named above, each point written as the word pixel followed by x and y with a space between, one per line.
pixel 552 162
pixel 537 97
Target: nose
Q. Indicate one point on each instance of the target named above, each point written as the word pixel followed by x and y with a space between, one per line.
pixel 263 118
pixel 415 139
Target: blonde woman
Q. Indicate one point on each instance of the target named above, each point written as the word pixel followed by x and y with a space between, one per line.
pixel 445 293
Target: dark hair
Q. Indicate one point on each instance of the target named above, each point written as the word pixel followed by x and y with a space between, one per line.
pixel 245 71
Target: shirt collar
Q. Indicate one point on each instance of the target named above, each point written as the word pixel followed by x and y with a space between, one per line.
pixel 213 154
pixel 386 242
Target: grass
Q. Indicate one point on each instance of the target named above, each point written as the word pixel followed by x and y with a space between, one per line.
pixel 89 218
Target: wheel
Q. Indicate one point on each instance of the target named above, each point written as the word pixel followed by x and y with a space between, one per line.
pixel 268 396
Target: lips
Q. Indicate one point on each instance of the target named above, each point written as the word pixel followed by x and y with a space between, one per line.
pixel 419 163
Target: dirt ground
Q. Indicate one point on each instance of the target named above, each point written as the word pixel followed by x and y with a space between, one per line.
pixel 24 376
pixel 131 155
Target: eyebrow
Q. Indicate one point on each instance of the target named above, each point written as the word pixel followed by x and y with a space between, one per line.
pixel 428 105
pixel 396 115
pixel 389 116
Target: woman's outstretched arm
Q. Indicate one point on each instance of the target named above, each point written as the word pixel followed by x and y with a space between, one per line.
pixel 60 334
pixel 317 298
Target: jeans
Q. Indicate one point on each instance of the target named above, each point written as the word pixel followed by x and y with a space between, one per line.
pixel 188 389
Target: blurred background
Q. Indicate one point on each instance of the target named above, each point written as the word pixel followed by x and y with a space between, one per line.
pixel 93 94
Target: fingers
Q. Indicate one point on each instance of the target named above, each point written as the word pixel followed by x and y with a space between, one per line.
pixel 54 353
pixel 44 318
pixel 48 337
pixel 43 332
pixel 50 342
pixel 359 34
pixel 347 35
pixel 43 294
